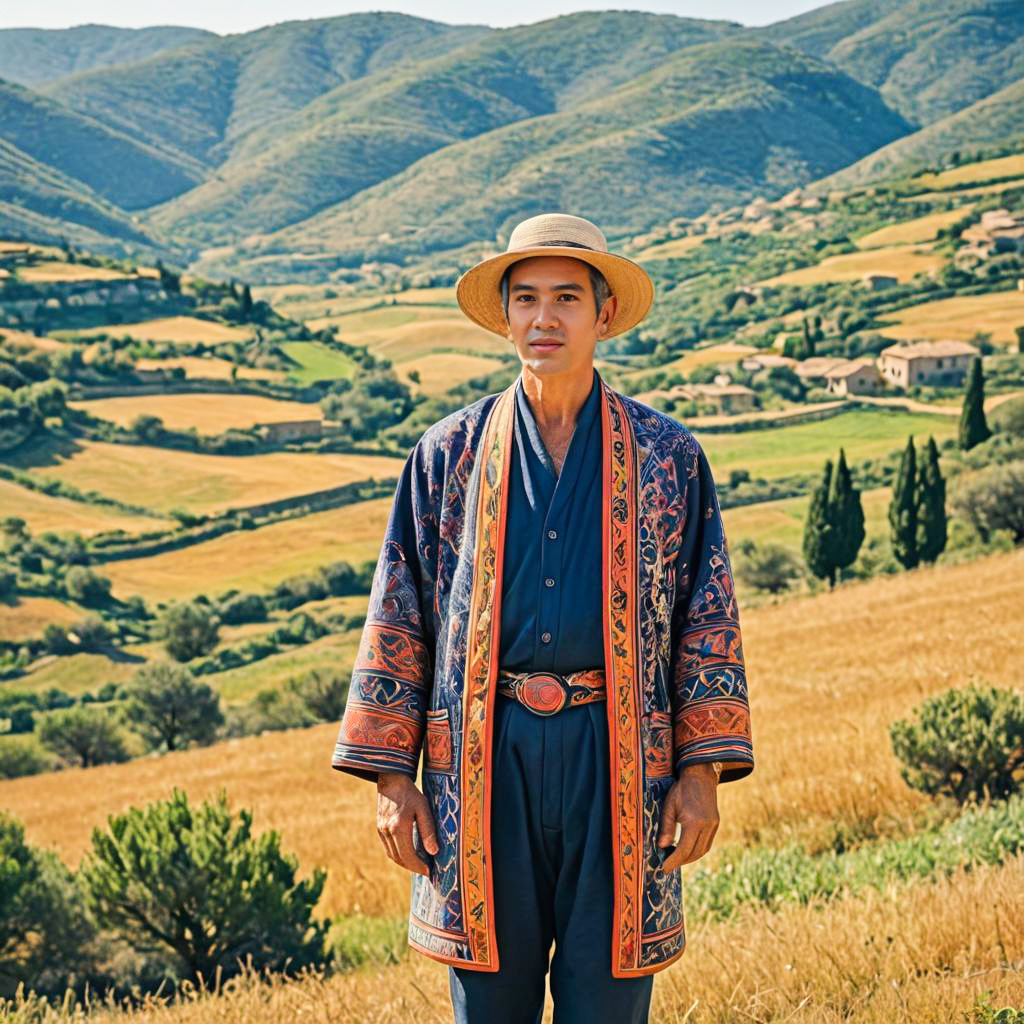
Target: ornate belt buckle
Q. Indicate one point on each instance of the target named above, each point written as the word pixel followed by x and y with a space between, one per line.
pixel 543 693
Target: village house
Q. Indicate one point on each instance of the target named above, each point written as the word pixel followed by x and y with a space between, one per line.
pixel 726 398
pixel 998 231
pixel 877 282
pixel 766 361
pixel 856 377
pixel 813 371
pixel 938 363
pixel 291 430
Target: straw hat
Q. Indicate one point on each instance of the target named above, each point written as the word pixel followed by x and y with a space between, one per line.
pixel 555 234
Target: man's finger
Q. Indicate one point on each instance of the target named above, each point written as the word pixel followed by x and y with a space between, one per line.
pixel 425 823
pixel 389 846
pixel 401 833
pixel 684 848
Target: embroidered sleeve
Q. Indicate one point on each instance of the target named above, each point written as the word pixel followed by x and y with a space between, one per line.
pixel 385 713
pixel 711 716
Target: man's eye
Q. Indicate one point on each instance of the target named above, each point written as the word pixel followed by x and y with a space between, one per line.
pixel 568 295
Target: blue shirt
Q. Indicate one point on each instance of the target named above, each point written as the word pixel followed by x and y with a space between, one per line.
pixel 551 596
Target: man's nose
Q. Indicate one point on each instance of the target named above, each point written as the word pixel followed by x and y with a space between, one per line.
pixel 546 314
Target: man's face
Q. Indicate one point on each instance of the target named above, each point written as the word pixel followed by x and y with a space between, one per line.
pixel 552 317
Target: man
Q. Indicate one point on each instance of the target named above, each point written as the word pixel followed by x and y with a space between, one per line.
pixel 553 622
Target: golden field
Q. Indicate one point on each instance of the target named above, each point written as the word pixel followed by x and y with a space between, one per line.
pixel 45 512
pixel 727 353
pixel 899 261
pixel 208 413
pixel 186 329
pixel 205 368
pixel 163 479
pixel 959 318
pixel 907 232
pixel 970 174
pixel 254 559
pixel 819 725
pixel 439 372
pixel 828 673
pixel 25 617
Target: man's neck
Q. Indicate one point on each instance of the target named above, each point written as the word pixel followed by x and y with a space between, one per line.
pixel 556 401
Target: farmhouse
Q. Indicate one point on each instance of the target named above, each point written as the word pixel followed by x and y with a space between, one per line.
pixel 876 282
pixel 813 371
pixel 726 398
pixel 291 430
pixel 766 361
pixel 856 377
pixel 927 362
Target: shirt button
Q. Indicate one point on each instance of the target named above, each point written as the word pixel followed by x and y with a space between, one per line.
pixel 552 535
pixel 549 582
pixel 545 638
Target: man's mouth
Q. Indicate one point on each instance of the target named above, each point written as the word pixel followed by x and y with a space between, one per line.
pixel 545 344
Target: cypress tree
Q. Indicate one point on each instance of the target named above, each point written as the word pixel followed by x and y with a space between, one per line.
pixel 819 531
pixel 847 515
pixel 903 510
pixel 1020 339
pixel 973 426
pixel 931 506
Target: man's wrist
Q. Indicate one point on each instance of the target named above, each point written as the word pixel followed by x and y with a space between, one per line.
pixel 710 769
pixel 385 780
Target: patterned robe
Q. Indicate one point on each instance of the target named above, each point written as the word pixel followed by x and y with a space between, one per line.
pixel 424 677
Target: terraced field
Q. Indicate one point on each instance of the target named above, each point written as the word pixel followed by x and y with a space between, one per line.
pixel 439 372
pixel 254 559
pixel 186 329
pixel 207 413
pixel 916 231
pixel 959 318
pixel 26 617
pixel 163 479
pixel 207 368
pixel 900 261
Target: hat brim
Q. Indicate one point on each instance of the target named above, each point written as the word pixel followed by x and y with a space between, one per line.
pixel 479 289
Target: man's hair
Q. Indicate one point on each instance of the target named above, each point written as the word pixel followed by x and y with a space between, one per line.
pixel 597 282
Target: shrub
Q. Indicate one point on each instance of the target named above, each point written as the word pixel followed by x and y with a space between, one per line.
pixel 195 884
pixel 84 735
pixel 771 567
pixel 44 931
pixel 992 499
pixel 966 743
pixel 23 756
pixel 323 691
pixel 189 630
pixel 85 586
pixel 171 709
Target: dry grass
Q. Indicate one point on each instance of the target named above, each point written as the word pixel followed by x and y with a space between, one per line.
pixel 964 193
pixel 920 229
pixel 899 261
pixel 46 272
pixel 968 174
pixel 32 340
pixel 672 249
pixel 997 313
pixel 439 372
pixel 164 479
pixel 254 559
pixel 828 673
pixel 26 617
pixel 173 328
pixel 60 515
pixel 205 368
pixel 208 413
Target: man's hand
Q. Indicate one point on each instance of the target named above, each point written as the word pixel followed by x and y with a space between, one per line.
pixel 399 804
pixel 693 803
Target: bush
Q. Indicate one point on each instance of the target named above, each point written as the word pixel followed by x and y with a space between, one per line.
pixel 992 499
pixel 84 586
pixel 771 567
pixel 966 743
pixel 44 931
pixel 84 735
pixel 194 884
pixel 189 630
pixel 20 757
pixel 171 709
pixel 1008 418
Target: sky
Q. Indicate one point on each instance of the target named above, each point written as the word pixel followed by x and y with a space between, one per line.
pixel 225 16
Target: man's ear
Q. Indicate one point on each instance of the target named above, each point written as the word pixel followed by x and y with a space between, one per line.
pixel 607 315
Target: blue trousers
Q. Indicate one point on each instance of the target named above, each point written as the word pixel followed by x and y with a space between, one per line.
pixel 552 862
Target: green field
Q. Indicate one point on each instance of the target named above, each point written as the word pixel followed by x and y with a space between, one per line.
pixel 317 362
pixel 803 448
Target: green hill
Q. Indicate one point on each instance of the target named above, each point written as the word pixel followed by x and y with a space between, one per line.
pixel 999 117
pixel 368 131
pixel 928 58
pixel 714 124
pixel 199 101
pixel 112 164
pixel 34 56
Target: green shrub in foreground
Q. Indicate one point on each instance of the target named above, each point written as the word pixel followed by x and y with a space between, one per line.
pixel 196 885
pixel 743 875
pixel 966 743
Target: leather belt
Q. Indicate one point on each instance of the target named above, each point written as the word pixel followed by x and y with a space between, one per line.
pixel 547 693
